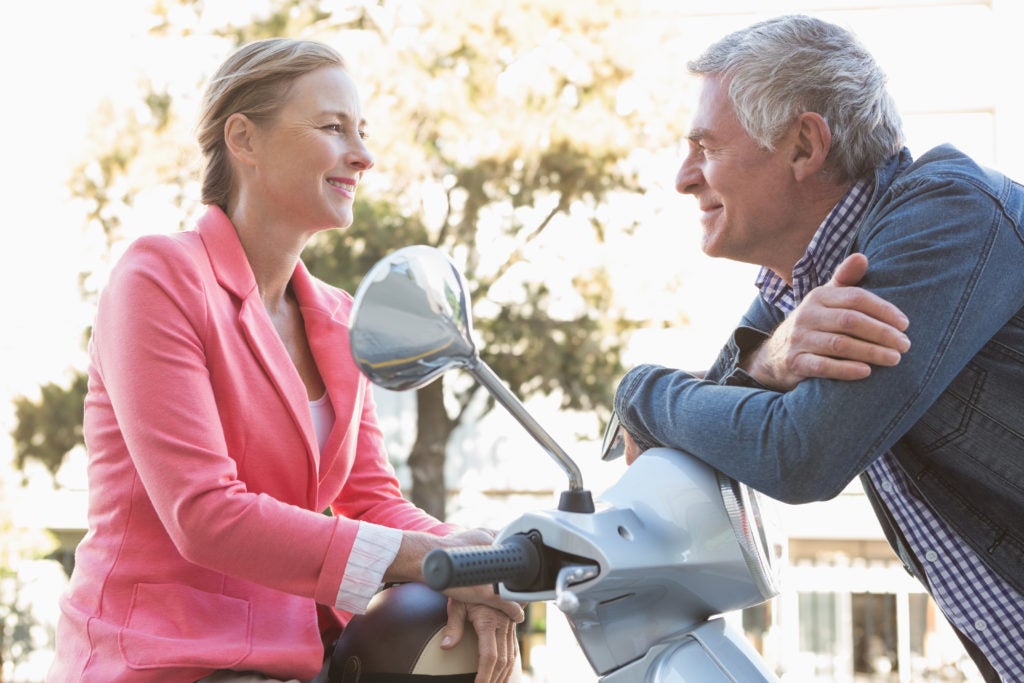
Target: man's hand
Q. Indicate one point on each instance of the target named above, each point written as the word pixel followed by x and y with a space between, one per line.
pixel 839 331
pixel 496 637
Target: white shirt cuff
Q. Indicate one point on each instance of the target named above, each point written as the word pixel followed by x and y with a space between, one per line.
pixel 372 553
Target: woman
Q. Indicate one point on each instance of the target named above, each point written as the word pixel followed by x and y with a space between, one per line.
pixel 225 415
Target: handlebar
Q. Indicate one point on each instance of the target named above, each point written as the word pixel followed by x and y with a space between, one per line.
pixel 516 563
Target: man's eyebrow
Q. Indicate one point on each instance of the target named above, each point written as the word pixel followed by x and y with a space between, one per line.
pixel 697 134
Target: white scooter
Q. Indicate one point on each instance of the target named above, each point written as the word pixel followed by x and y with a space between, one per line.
pixel 644 573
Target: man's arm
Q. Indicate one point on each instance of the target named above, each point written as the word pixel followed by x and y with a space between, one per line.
pixel 838 332
pixel 948 256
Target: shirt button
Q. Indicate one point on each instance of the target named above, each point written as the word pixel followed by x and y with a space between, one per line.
pixel 931 556
pixel 980 625
pixel 887 486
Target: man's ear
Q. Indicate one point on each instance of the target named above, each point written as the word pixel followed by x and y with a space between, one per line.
pixel 812 139
pixel 239 137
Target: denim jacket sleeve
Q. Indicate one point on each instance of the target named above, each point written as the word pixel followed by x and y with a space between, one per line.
pixel 755 327
pixel 944 242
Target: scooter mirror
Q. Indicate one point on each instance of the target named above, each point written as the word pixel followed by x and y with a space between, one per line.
pixel 411 322
pixel 414 321
pixel 614 443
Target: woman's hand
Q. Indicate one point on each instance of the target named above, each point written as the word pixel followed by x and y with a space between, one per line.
pixel 480 595
pixel 498 646
pixel 492 617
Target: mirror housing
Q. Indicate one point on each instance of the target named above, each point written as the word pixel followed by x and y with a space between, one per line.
pixel 411 322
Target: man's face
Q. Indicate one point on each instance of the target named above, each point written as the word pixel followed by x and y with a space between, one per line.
pixel 743 190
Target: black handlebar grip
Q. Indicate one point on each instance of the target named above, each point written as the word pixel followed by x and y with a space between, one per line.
pixel 516 562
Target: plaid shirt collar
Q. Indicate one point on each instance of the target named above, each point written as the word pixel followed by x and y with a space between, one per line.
pixel 826 250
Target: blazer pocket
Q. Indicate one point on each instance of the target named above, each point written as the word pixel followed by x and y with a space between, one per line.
pixel 174 625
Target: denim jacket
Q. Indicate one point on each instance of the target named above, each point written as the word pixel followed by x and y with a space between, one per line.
pixel 945 242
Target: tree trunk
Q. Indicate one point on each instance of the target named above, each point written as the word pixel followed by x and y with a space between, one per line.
pixel 426 460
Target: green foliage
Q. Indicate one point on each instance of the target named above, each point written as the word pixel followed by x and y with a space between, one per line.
pixel 497 139
pixel 342 258
pixel 49 428
pixel 495 144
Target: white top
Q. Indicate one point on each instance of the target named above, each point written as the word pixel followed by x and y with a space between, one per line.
pixel 375 546
pixel 323 418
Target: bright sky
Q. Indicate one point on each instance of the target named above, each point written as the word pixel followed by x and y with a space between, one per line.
pixel 54 67
pixel 60 62
pixel 62 57
pixel 59 59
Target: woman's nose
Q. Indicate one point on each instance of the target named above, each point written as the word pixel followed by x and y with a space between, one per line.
pixel 361 157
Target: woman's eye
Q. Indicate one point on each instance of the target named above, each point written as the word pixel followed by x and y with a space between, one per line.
pixel 340 129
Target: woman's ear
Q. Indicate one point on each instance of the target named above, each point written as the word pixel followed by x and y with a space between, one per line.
pixel 812 140
pixel 240 138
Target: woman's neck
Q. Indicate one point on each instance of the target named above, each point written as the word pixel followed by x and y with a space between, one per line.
pixel 273 252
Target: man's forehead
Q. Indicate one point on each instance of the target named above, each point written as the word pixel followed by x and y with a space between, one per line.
pixel 714 109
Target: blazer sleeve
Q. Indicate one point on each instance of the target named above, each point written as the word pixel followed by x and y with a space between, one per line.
pixel 371 492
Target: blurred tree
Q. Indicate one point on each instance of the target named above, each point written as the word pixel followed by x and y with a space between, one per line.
pixel 19 629
pixel 514 153
pixel 499 138
pixel 47 429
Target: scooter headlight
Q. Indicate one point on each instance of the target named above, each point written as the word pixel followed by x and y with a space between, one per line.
pixel 756 534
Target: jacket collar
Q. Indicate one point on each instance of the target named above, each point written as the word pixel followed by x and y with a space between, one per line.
pixel 325 312
pixel 233 272
pixel 887 172
pixel 227 257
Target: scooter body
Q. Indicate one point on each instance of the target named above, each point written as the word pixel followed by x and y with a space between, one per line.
pixel 644 572
pixel 711 652
pixel 642 578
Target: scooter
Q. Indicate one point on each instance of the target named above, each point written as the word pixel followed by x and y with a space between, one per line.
pixel 644 573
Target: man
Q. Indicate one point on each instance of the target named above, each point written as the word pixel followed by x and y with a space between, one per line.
pixel 796 159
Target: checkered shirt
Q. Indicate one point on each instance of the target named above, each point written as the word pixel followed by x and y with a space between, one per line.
pixel 980 603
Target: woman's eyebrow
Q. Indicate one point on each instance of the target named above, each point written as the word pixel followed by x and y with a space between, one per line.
pixel 342 116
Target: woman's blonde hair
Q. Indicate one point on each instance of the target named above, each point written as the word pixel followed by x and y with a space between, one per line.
pixel 254 81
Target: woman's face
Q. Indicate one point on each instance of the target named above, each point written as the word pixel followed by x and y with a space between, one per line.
pixel 311 157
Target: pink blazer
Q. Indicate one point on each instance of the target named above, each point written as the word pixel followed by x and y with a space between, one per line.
pixel 207 545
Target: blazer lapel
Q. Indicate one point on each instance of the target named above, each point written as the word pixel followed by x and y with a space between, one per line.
pixel 326 317
pixel 233 272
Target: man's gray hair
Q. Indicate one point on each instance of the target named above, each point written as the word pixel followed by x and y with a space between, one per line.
pixel 783 67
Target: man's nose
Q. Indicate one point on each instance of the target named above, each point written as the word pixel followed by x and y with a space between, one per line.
pixel 690 177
